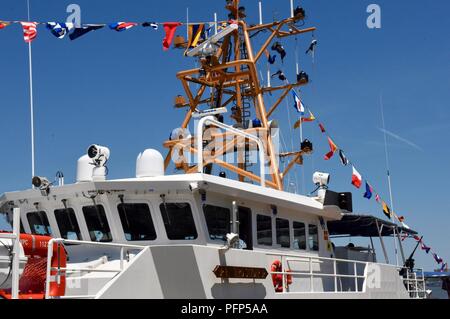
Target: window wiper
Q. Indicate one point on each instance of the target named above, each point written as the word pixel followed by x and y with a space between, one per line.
pixel 66 209
pixel 124 211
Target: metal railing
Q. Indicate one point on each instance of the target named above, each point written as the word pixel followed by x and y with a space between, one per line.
pixel 415 283
pixel 15 253
pixel 337 277
pixel 414 280
pixel 60 271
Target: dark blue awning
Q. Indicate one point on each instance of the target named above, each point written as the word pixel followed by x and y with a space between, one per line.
pixel 365 226
pixel 437 275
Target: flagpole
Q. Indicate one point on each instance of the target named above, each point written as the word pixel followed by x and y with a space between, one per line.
pixel 260 8
pixel 388 171
pixel 215 24
pixel 30 63
pixel 260 13
pixel 387 153
pixel 187 24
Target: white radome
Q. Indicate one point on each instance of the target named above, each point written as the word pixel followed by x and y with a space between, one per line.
pixel 150 163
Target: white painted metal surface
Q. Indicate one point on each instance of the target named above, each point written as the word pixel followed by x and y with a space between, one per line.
pixel 64 271
pixel 165 268
pixel 16 254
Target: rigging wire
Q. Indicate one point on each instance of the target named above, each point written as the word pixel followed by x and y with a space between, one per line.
pixel 313 87
pixel 283 149
pixel 30 71
pixel 297 69
pixel 291 136
pixel 386 152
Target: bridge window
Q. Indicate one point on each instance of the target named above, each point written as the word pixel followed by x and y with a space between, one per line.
pixel 299 236
pixel 137 222
pixel 264 230
pixel 218 221
pixel 97 223
pixel 178 221
pixel 283 233
pixel 67 224
pixel 313 238
pixel 39 224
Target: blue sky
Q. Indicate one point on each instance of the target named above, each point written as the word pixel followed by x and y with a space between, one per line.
pixel 117 89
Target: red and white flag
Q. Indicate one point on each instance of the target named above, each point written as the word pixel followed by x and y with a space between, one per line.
pixel 378 198
pixel 170 28
pixel 29 31
pixel 333 149
pixel 356 178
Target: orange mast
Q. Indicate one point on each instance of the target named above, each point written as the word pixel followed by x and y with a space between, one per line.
pixel 234 75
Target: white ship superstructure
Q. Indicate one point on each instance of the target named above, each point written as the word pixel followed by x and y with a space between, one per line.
pixel 194 234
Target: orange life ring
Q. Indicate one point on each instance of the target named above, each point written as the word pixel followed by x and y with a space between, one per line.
pixel 32 282
pixel 35 245
pixel 277 279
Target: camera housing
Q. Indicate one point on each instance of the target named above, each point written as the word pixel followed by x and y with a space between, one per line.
pixel 42 183
pixel 99 154
pixel 193 187
pixel 321 179
pixel 232 240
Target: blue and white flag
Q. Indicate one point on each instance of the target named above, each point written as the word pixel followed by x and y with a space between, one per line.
pixel 369 191
pixel 438 259
pixel 60 30
pixel 152 25
pixel 298 103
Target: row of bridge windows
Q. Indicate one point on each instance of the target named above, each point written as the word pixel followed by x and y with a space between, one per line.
pixel 137 224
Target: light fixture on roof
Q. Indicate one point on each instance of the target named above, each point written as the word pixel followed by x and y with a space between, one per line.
pixel 307 147
pixel 196 187
pixel 42 184
pixel 321 180
pixel 99 156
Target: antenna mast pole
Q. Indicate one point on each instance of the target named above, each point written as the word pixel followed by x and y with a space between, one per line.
pixel 387 153
pixel 388 170
pixel 30 62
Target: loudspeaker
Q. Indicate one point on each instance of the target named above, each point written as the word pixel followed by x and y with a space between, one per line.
pixel 343 200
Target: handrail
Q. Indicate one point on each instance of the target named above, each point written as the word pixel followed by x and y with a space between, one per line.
pixel 93 243
pixel 415 284
pixel 16 254
pixel 312 275
pixel 294 273
pixel 14 236
pixel 77 270
pixel 315 257
pixel 414 281
pixel 79 242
